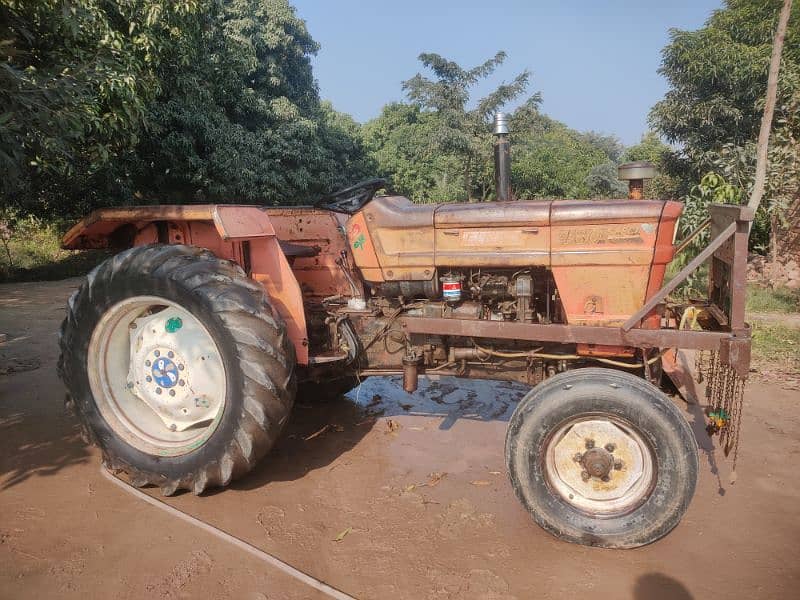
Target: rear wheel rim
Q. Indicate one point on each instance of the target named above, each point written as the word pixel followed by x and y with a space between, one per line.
pixel 157 375
pixel 599 465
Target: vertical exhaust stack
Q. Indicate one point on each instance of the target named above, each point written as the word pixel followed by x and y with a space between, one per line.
pixel 502 158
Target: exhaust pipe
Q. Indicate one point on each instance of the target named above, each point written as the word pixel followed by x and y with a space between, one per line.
pixel 502 158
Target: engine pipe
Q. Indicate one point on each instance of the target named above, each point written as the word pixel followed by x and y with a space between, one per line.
pixel 502 158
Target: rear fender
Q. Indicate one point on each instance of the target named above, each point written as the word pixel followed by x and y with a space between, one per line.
pixel 242 234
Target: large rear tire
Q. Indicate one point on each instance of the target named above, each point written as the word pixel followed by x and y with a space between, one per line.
pixel 601 458
pixel 177 367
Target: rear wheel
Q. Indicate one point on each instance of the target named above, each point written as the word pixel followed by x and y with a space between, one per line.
pixel 177 367
pixel 602 458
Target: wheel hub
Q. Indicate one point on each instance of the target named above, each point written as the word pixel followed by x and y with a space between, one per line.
pixel 165 372
pixel 599 466
pixel 170 370
pixel 598 462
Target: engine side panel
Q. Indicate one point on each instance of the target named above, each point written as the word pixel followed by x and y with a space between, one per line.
pixel 606 256
pixel 402 237
pixel 604 262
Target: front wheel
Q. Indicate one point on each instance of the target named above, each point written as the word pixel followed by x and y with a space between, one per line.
pixel 177 366
pixel 602 458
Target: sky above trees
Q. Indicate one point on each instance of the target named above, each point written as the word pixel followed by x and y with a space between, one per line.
pixel 595 63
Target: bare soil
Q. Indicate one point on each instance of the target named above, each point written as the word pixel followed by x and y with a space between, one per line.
pixel 399 496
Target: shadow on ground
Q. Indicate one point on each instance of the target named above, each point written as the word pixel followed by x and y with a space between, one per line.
pixel 351 416
pixel 31 449
pixel 657 586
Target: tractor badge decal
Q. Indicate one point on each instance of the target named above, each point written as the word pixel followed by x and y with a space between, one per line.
pixel 355 232
pixel 165 373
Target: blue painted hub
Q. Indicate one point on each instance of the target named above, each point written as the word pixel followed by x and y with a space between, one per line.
pixel 165 372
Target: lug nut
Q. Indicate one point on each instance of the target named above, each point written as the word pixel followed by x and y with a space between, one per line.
pixel 610 447
pixel 578 457
pixel 180 367
pixel 605 478
pixel 147 363
pixel 171 354
pixel 618 465
pixel 156 353
pixel 589 444
pixel 585 475
pixel 158 390
pixel 148 379
pixel 181 382
pixel 172 392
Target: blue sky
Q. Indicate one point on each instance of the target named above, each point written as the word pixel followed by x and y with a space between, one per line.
pixel 595 63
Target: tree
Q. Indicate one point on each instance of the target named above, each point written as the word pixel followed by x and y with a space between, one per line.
pixel 717 78
pixel 602 182
pixel 457 130
pixel 154 101
pixel 75 85
pixel 611 146
pixel 244 122
pixel 401 141
pixel 548 158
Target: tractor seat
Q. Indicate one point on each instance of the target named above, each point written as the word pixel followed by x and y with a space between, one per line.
pixel 298 250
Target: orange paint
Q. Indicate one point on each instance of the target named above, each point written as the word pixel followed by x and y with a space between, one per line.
pixel 607 257
pixel 268 264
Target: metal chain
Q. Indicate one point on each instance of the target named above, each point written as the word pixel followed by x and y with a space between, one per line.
pixel 725 393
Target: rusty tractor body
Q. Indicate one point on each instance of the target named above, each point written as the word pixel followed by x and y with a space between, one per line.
pixel 540 292
pixel 536 272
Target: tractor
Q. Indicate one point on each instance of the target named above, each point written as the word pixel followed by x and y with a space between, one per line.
pixel 182 354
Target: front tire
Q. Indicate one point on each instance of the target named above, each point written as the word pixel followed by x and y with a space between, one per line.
pixel 601 458
pixel 177 367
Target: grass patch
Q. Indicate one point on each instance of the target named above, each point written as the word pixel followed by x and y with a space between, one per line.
pixel 778 300
pixel 778 346
pixel 32 252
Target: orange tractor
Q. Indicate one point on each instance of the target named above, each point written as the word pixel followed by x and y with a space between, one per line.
pixel 182 353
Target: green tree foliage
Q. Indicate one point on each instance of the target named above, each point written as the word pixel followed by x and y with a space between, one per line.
pixel 459 131
pixel 717 78
pixel 649 148
pixel 718 75
pixel 75 81
pixel 431 146
pixel 147 101
pixel 551 160
pixel 602 182
pixel 611 146
pixel 402 142
pixel 244 122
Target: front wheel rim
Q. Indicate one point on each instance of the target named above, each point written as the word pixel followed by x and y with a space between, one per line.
pixel 600 465
pixel 157 376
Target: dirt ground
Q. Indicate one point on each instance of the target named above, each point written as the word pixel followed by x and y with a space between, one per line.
pixel 415 483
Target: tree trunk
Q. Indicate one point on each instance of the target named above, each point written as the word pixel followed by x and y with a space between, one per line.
pixel 769 107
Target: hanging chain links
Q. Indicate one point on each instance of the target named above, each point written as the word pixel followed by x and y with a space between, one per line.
pixel 725 395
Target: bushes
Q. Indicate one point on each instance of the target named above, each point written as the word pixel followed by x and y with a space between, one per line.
pixel 31 250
